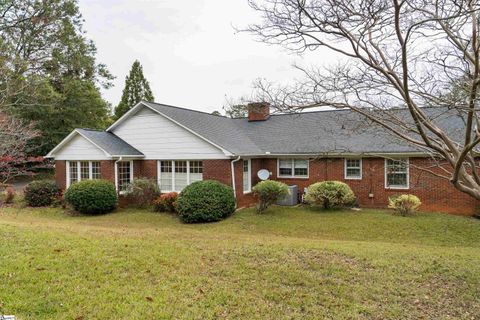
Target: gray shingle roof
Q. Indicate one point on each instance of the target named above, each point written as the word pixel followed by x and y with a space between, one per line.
pixel 333 131
pixel 110 143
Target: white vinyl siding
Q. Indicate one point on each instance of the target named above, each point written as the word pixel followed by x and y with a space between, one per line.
pixel 159 138
pixel 292 168
pixel 175 175
pixel 397 173
pixel 82 170
pixel 353 169
pixel 79 148
pixel 247 176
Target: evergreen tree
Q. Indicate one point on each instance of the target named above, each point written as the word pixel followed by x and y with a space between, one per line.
pixel 49 76
pixel 136 89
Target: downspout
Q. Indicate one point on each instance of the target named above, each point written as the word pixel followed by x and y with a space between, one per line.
pixel 233 177
pixel 115 168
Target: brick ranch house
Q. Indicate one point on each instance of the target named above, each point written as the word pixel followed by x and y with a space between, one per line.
pixel 176 146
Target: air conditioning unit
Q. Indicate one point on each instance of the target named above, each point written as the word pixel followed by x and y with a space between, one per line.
pixel 291 199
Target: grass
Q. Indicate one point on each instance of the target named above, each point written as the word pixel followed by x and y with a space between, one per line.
pixel 288 263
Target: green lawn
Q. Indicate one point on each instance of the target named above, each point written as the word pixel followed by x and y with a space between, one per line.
pixel 291 263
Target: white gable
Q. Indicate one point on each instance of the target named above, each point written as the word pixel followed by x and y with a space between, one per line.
pixel 79 148
pixel 159 138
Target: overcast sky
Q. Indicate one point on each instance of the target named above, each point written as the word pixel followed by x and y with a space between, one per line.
pixel 189 50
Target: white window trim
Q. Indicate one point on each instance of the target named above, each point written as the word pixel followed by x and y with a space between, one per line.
pixel 293 176
pixel 116 174
pixel 408 175
pixel 249 161
pixel 345 169
pixel 173 174
pixel 79 176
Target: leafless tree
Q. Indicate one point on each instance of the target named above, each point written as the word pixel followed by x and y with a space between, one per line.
pixel 14 138
pixel 408 54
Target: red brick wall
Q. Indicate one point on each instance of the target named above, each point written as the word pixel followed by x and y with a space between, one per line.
pixel 145 169
pixel 436 194
pixel 107 171
pixel 217 170
pixel 60 174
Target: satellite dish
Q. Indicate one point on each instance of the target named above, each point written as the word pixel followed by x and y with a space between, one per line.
pixel 263 174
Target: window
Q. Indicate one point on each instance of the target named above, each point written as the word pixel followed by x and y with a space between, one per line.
pixel 166 175
pixel 353 169
pixel 285 167
pixel 124 174
pixel 96 170
pixel 174 175
pixel 300 168
pixel 73 173
pixel 181 175
pixel 293 168
pixel 196 171
pixel 82 170
pixel 247 177
pixel 396 174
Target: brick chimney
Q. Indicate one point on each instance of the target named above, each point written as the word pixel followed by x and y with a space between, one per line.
pixel 258 111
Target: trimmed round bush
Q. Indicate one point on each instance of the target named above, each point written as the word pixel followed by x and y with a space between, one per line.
pixel 330 194
pixel 92 196
pixel 269 192
pixel 41 193
pixel 404 204
pixel 166 202
pixel 205 201
pixel 142 192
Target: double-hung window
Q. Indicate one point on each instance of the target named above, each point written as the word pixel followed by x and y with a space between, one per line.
pixel 353 169
pixel 82 170
pixel 174 175
pixel 293 168
pixel 396 173
pixel 247 177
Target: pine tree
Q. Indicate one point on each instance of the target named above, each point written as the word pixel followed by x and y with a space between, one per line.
pixel 136 89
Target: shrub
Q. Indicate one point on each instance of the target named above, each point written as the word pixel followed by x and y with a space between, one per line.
pixel 268 192
pixel 404 204
pixel 92 196
pixel 166 202
pixel 41 193
pixel 330 194
pixel 142 192
pixel 205 201
pixel 9 195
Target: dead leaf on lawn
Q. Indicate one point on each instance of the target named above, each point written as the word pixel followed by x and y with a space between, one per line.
pixel 149 299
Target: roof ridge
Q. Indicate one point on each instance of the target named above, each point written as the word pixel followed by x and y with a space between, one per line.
pixel 186 109
pixel 89 129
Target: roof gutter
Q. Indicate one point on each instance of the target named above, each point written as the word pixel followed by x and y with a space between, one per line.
pixel 233 177
pixel 330 155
